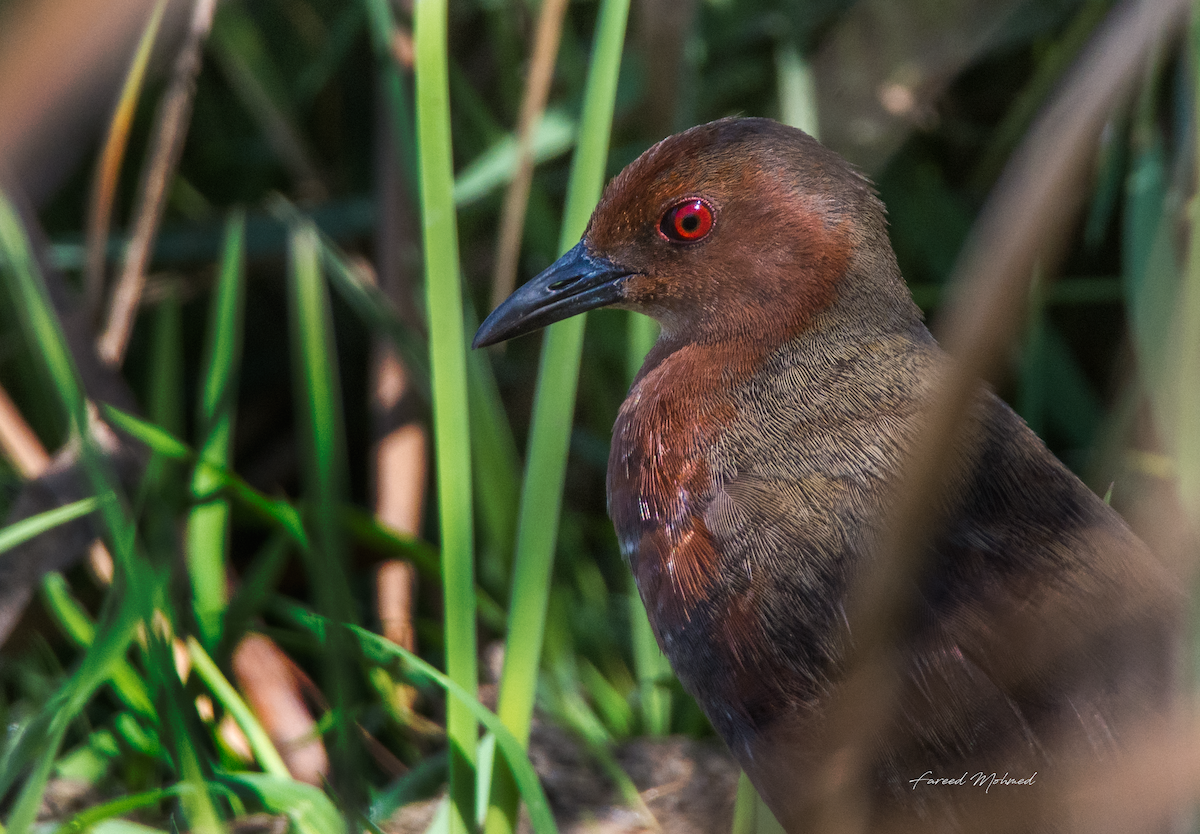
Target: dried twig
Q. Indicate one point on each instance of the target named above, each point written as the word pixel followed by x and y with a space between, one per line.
pixel 516 199
pixel 170 132
pixel 108 167
pixel 18 441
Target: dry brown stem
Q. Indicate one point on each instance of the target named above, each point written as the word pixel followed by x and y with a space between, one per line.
pixel 533 105
pixel 170 132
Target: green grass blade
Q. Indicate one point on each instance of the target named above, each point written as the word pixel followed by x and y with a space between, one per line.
pixel 495 167
pixel 27 528
pixel 198 807
pixel 382 27
pixel 207 537
pixel 550 430
pixel 318 402
pixel 45 736
pixel 653 672
pixel 137 587
pixel 257 583
pixel 126 682
pixel 797 89
pixel 308 809
pixel 260 743
pixel 447 353
pixel 162 442
pixel 108 166
pixel 382 651
pixel 511 749
pixel 92 818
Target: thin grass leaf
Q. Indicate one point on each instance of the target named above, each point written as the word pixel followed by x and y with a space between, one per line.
pixel 126 682
pixel 256 80
pixel 138 586
pixel 22 531
pixel 40 743
pixel 382 27
pixel 380 650
pixel 447 353
pixel 198 807
pixel 318 401
pixel 496 167
pixel 207 536
pixel 494 459
pixel 422 782
pixel 366 530
pixel 124 827
pixel 308 809
pixel 797 89
pixel 162 442
pixel 496 466
pixel 653 671
pixel 514 753
pixel 93 817
pixel 260 742
pixel 549 434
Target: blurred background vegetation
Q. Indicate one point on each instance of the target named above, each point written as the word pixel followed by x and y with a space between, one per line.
pixel 302 439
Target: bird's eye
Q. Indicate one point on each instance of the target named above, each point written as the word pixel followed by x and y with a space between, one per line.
pixel 687 222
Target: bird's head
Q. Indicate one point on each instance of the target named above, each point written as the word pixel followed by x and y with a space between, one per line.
pixel 737 228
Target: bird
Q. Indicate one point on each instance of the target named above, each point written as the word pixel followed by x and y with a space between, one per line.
pixel 752 467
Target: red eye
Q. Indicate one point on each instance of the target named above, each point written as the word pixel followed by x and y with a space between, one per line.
pixel 687 222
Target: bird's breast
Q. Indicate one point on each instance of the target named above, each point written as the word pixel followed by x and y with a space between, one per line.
pixel 660 481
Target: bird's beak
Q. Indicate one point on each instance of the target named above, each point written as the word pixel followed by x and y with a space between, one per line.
pixel 577 282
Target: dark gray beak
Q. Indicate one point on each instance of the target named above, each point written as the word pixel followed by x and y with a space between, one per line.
pixel 575 283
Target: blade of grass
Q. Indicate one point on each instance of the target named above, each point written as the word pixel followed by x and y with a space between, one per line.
pixel 137 585
pixel 797 89
pixel 257 583
pixel 382 27
pixel 159 496
pixel 550 430
pixel 207 534
pixel 45 736
pixel 198 807
pixel 377 649
pixel 22 531
pixel 126 682
pixel 318 401
pixel 162 442
pixel 260 743
pixel 91 819
pixel 447 353
pixel 496 464
pixel 238 48
pixel 308 809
